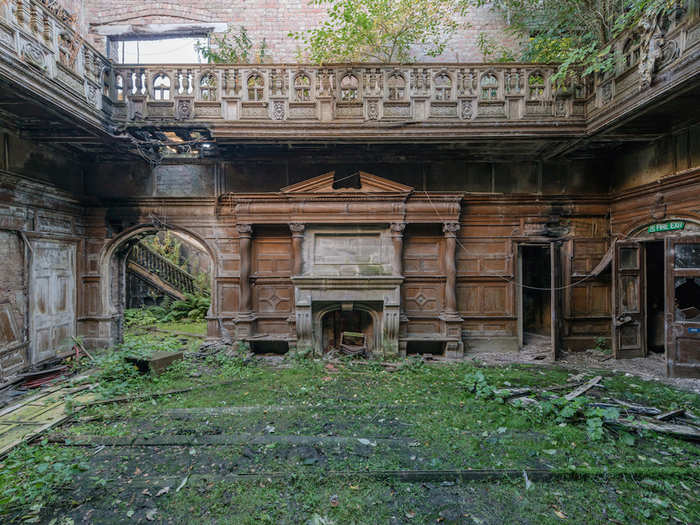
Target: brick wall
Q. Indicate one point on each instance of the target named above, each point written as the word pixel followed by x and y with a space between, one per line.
pixel 271 20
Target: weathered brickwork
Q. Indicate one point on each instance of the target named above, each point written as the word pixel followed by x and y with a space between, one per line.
pixel 273 21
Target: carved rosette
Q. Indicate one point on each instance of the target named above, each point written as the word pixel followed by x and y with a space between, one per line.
pixel 33 54
pixel 467 110
pixel 373 110
pixel 278 110
pixel 184 109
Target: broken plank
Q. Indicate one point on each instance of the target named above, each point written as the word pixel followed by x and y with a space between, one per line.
pixel 583 388
pixel 672 429
pixel 638 409
pixel 670 414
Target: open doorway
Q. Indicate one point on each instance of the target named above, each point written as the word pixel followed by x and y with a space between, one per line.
pixel 536 273
pixel 655 296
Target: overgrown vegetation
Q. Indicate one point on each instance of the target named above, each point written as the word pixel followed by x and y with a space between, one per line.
pixel 192 308
pixel 364 419
pixel 381 30
pixel 576 32
pixel 31 475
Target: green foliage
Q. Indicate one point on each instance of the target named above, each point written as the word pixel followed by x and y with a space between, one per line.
pixel 381 30
pixel 575 32
pixel 563 411
pixel 476 383
pixel 193 307
pixel 233 48
pixel 31 475
pixel 167 246
pixel 601 344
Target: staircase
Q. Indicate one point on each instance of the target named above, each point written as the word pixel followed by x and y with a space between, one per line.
pixel 159 273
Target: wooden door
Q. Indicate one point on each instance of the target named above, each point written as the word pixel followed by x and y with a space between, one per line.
pixel 683 306
pixel 629 319
pixel 52 303
pixel 519 297
pixel 555 296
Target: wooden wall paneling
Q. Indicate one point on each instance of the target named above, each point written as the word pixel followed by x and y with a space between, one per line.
pixel 272 255
pixel 480 257
pixel 422 255
pixel 423 298
pixel 275 298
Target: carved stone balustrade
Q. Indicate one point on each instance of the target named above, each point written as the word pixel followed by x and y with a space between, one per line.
pixel 41 51
pixel 43 55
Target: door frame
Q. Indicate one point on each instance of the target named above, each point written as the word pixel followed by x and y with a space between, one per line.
pixel 555 280
pixel 640 234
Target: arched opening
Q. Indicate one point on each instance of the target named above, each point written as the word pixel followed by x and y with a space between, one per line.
pixel 348 328
pixel 149 266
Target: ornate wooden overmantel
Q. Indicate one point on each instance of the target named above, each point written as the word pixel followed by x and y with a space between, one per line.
pixel 346 248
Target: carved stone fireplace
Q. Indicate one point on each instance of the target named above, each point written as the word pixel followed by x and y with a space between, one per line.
pixel 348 268
pixel 347 252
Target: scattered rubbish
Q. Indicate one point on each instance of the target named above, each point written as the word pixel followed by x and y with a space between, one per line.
pixel 334 500
pixel 162 492
pixel 528 483
pixel 151 514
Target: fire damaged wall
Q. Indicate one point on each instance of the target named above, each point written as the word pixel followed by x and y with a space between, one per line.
pixel 40 231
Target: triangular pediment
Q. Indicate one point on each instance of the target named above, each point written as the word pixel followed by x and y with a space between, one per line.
pixel 368 184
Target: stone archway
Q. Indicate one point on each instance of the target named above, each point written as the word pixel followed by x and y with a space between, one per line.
pixel 112 267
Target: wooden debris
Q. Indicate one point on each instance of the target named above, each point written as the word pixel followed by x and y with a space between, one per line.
pixel 681 431
pixel 670 414
pixel 638 409
pixel 583 388
pixel 156 363
pixel 34 415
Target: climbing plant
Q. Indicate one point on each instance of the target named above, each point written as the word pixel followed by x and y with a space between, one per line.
pixel 381 30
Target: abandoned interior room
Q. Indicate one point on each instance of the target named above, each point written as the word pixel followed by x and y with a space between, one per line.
pixel 446 208
pixel 436 208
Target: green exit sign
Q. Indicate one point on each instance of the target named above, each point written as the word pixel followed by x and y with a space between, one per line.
pixel 666 226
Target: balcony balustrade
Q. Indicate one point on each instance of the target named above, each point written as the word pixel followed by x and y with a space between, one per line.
pixel 40 44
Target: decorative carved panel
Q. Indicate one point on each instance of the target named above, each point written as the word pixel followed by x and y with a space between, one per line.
pixel 422 298
pixel 273 298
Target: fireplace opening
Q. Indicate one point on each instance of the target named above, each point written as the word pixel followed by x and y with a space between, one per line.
pixel 352 328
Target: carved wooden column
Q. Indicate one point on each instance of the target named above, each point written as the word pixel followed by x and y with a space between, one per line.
pixel 451 318
pixel 297 243
pixel 245 307
pixel 397 229
pixel 450 229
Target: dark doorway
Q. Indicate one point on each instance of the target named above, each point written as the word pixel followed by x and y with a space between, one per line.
pixel 536 294
pixel 655 302
pixel 351 322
